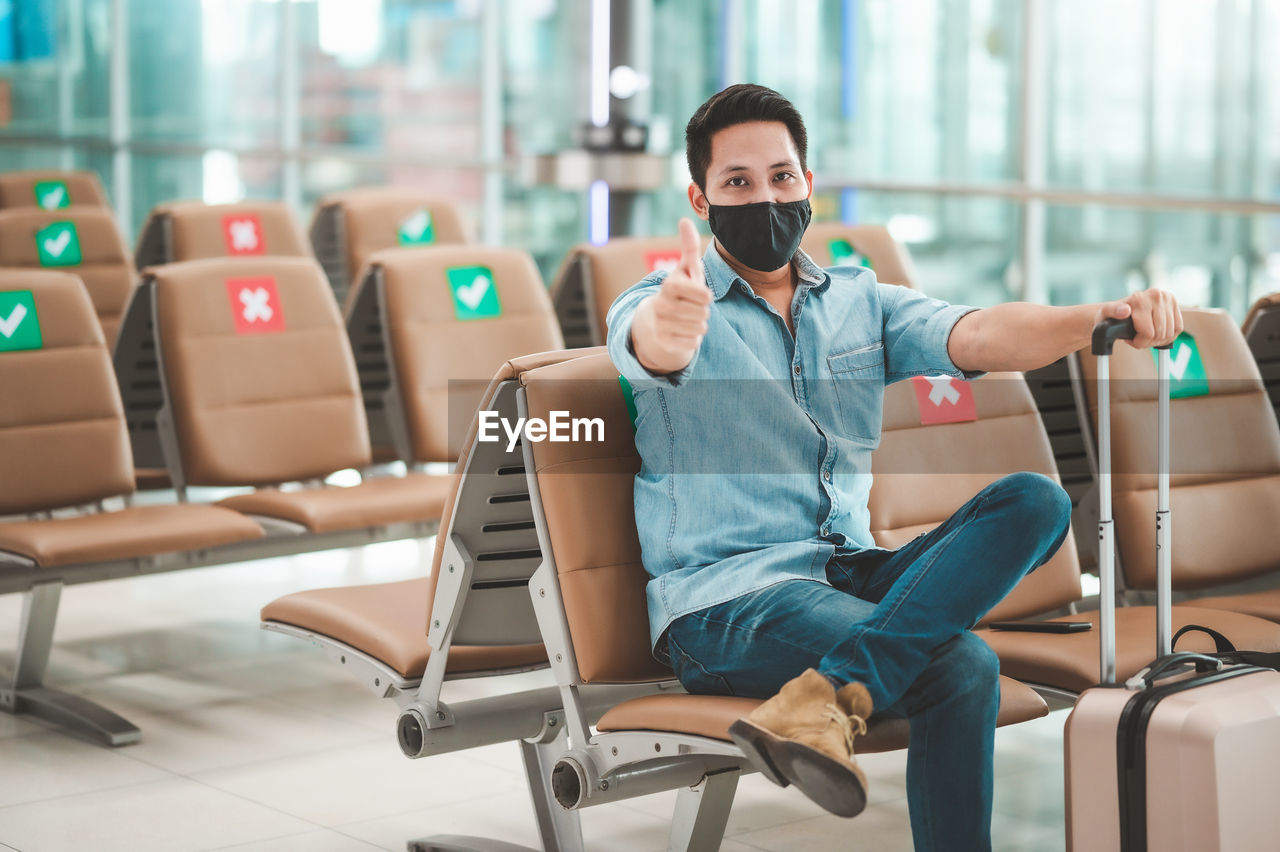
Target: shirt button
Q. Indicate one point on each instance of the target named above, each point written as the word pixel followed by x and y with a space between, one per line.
pixel 826 474
pixel 797 369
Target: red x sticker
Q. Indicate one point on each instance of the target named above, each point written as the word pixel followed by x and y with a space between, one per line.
pixel 243 233
pixel 944 400
pixel 662 260
pixel 255 305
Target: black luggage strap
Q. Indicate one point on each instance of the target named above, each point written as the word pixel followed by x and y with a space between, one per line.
pixel 1226 651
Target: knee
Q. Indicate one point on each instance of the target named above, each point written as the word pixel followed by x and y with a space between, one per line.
pixel 967 666
pixel 1034 501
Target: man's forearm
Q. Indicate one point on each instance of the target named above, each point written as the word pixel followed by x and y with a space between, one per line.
pixel 1019 336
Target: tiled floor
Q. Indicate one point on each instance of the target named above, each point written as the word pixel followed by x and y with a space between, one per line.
pixel 252 741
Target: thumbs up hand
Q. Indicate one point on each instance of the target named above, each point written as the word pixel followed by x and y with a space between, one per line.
pixel 669 325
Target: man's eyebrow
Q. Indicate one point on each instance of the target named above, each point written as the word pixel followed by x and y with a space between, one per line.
pixel 785 164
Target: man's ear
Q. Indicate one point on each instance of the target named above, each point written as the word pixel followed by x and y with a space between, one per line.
pixel 808 175
pixel 698 201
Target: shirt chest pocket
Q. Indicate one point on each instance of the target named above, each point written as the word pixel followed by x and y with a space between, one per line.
pixel 857 379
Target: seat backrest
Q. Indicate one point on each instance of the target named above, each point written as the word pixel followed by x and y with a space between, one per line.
pixel 944 441
pixel 1224 455
pixel 593 276
pixel 82 240
pixel 585 495
pixel 193 230
pixel 62 432
pixel 51 189
pixel 349 226
pixel 1262 334
pixel 453 314
pixel 834 243
pixel 490 515
pixel 259 380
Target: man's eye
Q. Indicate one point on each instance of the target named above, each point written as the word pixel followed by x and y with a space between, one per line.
pixel 736 181
pixel 783 176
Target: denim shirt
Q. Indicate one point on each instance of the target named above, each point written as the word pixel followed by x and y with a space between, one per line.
pixel 756 457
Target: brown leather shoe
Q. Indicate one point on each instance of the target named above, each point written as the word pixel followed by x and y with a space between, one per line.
pixel 804 735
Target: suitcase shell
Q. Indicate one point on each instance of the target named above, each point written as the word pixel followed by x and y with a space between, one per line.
pixel 1212 768
pixel 1203 755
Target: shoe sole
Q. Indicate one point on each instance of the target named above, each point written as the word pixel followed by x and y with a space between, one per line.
pixel 833 785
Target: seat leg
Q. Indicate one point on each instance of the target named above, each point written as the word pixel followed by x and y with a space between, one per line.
pixel 702 812
pixel 559 828
pixel 27 693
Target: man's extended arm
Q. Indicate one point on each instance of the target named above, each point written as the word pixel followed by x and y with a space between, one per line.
pixel 1020 336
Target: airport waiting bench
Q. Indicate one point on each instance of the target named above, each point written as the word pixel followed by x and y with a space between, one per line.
pixel 1225 481
pixel 349 226
pixel 51 189
pixel 192 230
pixel 82 240
pixel 63 445
pixel 428 328
pixel 471 617
pixel 942 441
pixel 483 596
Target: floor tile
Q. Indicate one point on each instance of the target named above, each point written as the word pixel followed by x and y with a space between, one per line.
pixel 48 765
pixel 171 815
pixel 246 732
pixel 354 783
pixel 880 828
pixel 311 841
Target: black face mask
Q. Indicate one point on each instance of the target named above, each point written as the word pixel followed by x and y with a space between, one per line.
pixel 764 235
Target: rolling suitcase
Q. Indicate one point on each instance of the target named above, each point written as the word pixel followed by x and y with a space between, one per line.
pixel 1186 754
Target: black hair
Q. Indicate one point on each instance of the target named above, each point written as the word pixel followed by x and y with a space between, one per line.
pixel 738 104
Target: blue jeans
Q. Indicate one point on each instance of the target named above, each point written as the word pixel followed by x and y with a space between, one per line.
pixel 898 622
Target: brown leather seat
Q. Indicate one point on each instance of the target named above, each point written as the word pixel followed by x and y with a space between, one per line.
pixel 1225 454
pixel 441 361
pixel 84 241
pixel 63 442
pixel 873 245
pixel 711 715
pixel 592 276
pixel 51 189
pixel 350 226
pixel 926 471
pixel 389 621
pixel 1261 330
pixel 586 497
pixel 193 230
pixel 261 388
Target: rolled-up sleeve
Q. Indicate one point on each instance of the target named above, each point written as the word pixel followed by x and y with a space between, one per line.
pixel 618 338
pixel 916 330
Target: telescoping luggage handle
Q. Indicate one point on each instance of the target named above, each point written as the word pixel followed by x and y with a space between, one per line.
pixel 1105 335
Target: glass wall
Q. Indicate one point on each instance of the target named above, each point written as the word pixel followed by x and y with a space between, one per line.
pixel 1148 131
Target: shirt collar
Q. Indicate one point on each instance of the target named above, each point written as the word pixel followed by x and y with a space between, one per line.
pixel 721 277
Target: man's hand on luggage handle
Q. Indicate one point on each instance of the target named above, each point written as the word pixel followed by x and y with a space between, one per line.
pixel 669 325
pixel 1156 316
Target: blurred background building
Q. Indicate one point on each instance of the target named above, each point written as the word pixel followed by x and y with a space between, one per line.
pixel 1053 151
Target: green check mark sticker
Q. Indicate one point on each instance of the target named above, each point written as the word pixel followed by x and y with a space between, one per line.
pixel 417 230
pixel 19 325
pixel 475 296
pixel 1187 375
pixel 843 254
pixel 52 194
pixel 58 244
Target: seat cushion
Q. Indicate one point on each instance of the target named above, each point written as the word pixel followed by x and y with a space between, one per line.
pixel 388 621
pixel 1070 661
pixel 711 715
pixel 1263 604
pixel 129 533
pixel 372 503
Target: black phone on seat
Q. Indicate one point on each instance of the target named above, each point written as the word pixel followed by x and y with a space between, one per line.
pixel 1043 626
